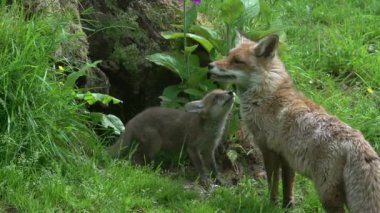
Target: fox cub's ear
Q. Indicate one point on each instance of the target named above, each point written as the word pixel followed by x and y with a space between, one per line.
pixel 267 46
pixel 194 106
pixel 198 107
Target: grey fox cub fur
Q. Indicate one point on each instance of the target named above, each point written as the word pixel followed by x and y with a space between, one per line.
pixel 198 131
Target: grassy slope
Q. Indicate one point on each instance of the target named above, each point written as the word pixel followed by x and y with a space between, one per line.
pixel 43 169
pixel 329 59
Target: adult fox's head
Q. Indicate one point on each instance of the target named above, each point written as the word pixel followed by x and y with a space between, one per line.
pixel 214 105
pixel 250 64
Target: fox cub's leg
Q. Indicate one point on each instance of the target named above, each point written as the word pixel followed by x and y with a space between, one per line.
pixel 208 157
pixel 272 168
pixel 196 159
pixel 288 180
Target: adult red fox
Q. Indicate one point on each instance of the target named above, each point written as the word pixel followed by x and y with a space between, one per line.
pixel 198 131
pixel 295 134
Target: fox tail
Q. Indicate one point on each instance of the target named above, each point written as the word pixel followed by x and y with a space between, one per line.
pixel 362 178
pixel 120 148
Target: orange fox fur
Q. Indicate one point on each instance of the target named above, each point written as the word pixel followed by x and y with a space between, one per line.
pixel 296 134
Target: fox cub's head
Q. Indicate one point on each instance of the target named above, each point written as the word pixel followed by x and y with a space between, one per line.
pixel 248 63
pixel 215 104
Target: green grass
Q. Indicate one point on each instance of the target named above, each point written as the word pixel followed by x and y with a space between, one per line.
pixel 329 60
pixel 50 157
pixel 40 120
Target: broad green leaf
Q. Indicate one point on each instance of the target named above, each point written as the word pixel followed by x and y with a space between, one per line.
pixel 95 117
pixel 108 121
pixel 207 85
pixel 198 80
pixel 171 92
pixel 169 97
pixel 189 50
pixel 231 10
pixel 209 34
pixel 113 122
pixel 193 62
pixel 89 98
pixel 73 77
pixel 172 35
pixel 92 98
pixel 191 16
pixel 205 31
pixel 197 76
pixel 221 46
pixel 201 40
pixel 106 99
pixel 194 92
pixel 252 9
pixel 175 62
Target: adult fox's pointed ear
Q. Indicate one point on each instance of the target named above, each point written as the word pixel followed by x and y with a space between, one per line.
pixel 267 46
pixel 240 37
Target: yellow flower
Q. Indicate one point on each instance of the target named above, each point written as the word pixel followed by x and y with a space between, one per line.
pixel 369 90
pixel 61 68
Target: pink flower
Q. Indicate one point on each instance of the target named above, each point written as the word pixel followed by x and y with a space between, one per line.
pixel 196 2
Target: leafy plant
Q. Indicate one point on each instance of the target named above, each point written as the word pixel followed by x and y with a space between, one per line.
pixel 92 98
pixel 105 121
pixel 108 121
pixel 196 37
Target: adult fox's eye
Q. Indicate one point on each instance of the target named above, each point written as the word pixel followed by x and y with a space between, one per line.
pixel 237 61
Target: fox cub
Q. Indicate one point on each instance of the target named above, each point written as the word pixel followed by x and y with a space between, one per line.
pixel 198 131
pixel 296 134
